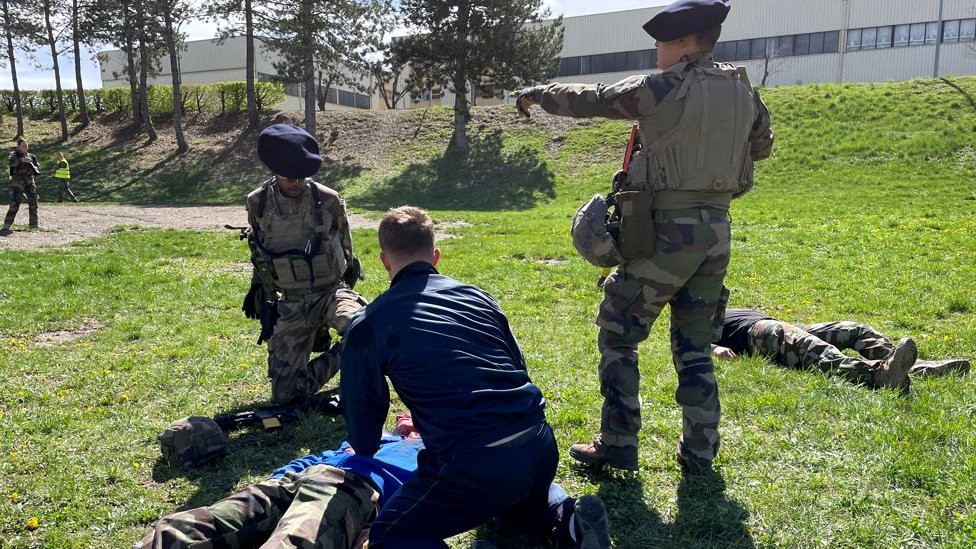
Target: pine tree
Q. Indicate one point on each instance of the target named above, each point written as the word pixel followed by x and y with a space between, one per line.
pixel 488 45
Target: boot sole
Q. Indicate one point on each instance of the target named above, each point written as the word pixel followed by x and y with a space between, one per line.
pixel 599 462
pixel 592 528
pixel 939 368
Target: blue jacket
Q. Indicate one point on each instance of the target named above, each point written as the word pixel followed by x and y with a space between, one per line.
pixel 392 465
pixel 451 357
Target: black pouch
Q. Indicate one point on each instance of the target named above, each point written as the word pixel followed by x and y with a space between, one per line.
pixel 718 325
pixel 636 238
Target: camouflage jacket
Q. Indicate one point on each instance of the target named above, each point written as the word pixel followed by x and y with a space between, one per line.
pixel 638 97
pixel 21 164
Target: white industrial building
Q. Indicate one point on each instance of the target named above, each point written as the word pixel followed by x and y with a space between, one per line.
pixel 788 41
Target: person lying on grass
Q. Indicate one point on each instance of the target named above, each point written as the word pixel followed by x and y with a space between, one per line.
pixel 881 362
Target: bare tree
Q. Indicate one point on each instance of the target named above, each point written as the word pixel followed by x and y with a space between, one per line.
pixel 773 63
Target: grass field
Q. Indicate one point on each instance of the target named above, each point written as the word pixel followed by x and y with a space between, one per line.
pixel 866 211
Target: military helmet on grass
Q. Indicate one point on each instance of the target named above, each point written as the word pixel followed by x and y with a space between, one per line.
pixel 193 441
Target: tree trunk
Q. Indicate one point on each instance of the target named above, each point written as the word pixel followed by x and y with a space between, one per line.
pixel 459 140
pixel 76 39
pixel 174 64
pixel 131 67
pixel 252 101
pixel 144 73
pixel 57 70
pixel 308 66
pixel 18 108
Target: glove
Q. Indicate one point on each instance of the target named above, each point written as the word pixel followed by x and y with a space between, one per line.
pixel 253 300
pixel 525 98
pixel 354 272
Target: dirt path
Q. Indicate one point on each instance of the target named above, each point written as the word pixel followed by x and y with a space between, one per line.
pixel 64 224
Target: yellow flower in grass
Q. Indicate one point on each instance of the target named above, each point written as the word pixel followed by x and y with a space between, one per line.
pixel 136 465
pixel 124 397
pixel 14 497
pixel 33 523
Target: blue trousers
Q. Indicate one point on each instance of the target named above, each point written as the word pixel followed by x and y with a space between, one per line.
pixel 454 494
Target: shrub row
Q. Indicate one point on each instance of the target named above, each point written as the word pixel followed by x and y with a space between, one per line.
pixel 215 98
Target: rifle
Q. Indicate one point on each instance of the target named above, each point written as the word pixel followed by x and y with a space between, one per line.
pixel 619 178
pixel 272 416
pixel 243 230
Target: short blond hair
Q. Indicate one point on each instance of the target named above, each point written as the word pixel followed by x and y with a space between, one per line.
pixel 406 231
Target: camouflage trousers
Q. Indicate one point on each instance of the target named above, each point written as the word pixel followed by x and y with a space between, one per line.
pixel 321 507
pixel 64 191
pixel 685 271
pixel 819 346
pixel 22 188
pixel 301 317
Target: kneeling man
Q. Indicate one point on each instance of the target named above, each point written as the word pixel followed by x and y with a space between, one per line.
pixel 451 357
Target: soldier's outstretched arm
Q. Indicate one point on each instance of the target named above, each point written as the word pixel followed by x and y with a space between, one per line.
pixel 629 99
pixel 761 136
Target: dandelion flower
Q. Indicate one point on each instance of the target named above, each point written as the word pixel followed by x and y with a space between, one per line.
pixel 33 523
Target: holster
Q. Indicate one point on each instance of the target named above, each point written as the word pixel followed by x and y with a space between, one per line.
pixel 718 324
pixel 268 315
pixel 637 236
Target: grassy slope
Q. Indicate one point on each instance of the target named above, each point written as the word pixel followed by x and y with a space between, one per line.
pixel 866 211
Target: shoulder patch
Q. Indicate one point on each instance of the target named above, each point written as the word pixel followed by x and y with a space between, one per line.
pixel 660 86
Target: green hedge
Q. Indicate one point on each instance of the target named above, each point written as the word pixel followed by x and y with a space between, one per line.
pixel 215 98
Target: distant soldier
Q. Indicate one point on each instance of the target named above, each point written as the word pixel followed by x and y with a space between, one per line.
pixel 63 175
pixel 23 168
pixel 819 346
pixel 701 125
pixel 301 249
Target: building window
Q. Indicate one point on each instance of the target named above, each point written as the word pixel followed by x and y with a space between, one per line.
pixel 586 64
pixel 902 33
pixel 648 60
pixel 869 37
pixel 932 32
pixel 884 37
pixel 569 66
pixel 853 39
pixel 742 50
pixel 801 46
pixel 758 48
pixel 967 30
pixel 917 34
pixel 817 42
pixel 601 63
pixel 950 31
pixel 786 46
pixel 832 42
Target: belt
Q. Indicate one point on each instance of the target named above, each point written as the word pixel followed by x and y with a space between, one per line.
pixel 706 215
pixel 302 292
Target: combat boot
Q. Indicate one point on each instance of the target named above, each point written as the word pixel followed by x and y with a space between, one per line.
pixel 892 372
pixel 924 368
pixel 597 453
pixel 590 525
pixel 691 465
pixel 5 231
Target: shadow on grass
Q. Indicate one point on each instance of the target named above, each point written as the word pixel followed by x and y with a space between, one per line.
pixel 706 516
pixel 488 179
pixel 254 451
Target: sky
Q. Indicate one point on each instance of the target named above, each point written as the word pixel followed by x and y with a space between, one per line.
pixel 35 72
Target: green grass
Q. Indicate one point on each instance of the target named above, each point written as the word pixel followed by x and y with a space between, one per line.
pixel 867 211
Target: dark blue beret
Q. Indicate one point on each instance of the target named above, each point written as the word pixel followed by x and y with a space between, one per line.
pixel 289 151
pixel 686 17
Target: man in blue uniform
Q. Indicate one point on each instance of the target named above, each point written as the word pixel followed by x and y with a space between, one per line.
pixel 449 352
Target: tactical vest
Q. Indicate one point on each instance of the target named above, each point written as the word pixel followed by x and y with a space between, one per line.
pixel 708 149
pixel 25 167
pixel 63 173
pixel 296 251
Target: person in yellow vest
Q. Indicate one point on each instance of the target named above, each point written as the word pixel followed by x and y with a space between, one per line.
pixel 63 175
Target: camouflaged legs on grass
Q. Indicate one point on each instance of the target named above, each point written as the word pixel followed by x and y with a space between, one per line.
pixel 319 507
pixel 791 346
pixel 868 342
pixel 692 315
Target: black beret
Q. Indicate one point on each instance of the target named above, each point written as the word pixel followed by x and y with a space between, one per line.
pixel 686 17
pixel 289 151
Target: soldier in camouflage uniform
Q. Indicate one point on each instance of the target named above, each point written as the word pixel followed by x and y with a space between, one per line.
pixel 702 125
pixel 23 168
pixel 301 248
pixel 819 346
